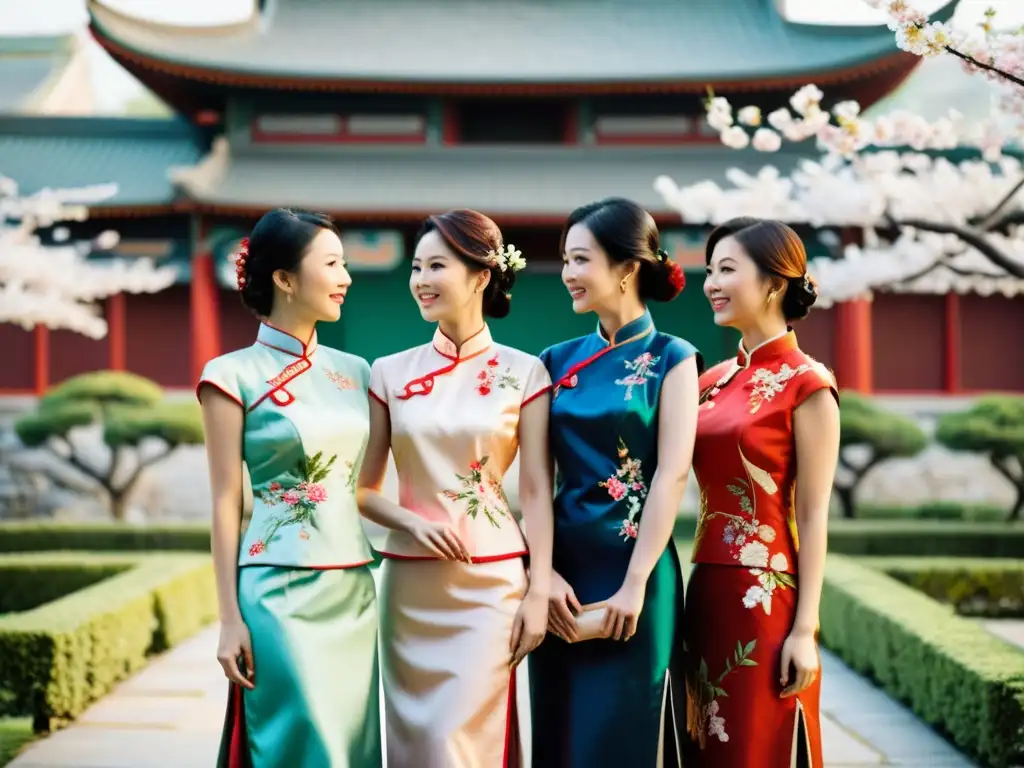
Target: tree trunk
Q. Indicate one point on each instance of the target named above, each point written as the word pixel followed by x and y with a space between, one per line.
pixel 119 505
pixel 845 495
pixel 1018 506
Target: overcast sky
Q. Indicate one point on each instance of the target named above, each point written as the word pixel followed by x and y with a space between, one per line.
pixel 114 86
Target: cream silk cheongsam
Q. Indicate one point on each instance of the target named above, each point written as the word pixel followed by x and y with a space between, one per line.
pixel 454 433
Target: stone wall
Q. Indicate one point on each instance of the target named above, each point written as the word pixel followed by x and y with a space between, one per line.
pixel 178 487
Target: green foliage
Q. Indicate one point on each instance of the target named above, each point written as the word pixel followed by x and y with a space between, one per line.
pixel 105 388
pixel 46 535
pixel 55 420
pixel 862 422
pixel 973 586
pixel 994 426
pixel 15 733
pixel 179 423
pixel 130 409
pixel 951 672
pixel 58 658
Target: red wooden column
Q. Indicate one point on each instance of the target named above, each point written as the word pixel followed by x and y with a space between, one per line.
pixel 203 308
pixel 42 350
pixel 853 355
pixel 954 338
pixel 117 332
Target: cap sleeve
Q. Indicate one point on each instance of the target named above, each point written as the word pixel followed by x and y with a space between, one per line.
pixel 221 376
pixel 538 381
pixel 819 377
pixel 378 389
pixel 679 350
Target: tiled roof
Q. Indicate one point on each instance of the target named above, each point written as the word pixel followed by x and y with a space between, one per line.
pixel 27 65
pixel 526 181
pixel 39 152
pixel 507 41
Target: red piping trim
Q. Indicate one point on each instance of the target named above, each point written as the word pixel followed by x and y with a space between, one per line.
pixel 511 758
pixel 535 395
pixel 238 751
pixel 306 351
pixel 289 374
pixel 426 382
pixel 341 567
pixel 456 356
pixel 220 389
pixel 474 560
pixel 378 398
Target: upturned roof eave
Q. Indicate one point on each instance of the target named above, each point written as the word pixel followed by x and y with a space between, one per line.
pixel 880 58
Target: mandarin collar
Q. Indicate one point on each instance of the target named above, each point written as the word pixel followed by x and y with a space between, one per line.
pixel 475 344
pixel 767 350
pixel 641 326
pixel 284 342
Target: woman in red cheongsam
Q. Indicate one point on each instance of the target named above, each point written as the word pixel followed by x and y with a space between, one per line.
pixel 766 452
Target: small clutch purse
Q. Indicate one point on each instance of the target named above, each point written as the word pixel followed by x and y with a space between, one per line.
pixel 589 622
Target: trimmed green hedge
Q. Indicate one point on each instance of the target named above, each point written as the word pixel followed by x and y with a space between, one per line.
pixel 951 672
pixel 916 538
pixel 936 510
pixel 58 658
pixel 28 582
pixel 973 586
pixel 926 538
pixel 48 536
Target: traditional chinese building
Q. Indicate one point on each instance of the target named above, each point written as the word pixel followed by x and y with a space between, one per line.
pixel 524 112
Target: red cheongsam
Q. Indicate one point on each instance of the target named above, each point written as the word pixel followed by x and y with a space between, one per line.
pixel 741 597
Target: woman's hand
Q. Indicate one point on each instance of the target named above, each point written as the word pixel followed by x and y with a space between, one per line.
pixel 530 626
pixel 439 538
pixel 622 611
pixel 800 652
pixel 235 644
pixel 562 609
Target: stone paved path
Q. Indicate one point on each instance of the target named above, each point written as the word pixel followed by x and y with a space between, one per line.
pixel 170 715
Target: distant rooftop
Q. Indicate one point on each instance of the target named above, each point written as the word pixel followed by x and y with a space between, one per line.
pixel 40 152
pixel 28 66
pixel 503 42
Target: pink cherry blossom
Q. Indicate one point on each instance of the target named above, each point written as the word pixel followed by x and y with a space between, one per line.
pixel 291 497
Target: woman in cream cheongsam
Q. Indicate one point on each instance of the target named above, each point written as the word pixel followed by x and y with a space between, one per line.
pixel 459 610
pixel 297 604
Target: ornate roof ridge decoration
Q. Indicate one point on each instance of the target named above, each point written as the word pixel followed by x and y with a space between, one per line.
pixel 207 174
pixel 284 61
pixel 98 8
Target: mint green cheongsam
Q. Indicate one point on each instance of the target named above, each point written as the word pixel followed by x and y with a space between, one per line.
pixel 304 587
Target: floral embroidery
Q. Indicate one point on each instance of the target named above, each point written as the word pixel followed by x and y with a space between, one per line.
pixel 766 384
pixel 627 483
pixel 301 501
pixel 343 383
pixel 641 373
pixel 489 375
pixel 705 693
pixel 352 476
pixel 748 539
pixel 481 494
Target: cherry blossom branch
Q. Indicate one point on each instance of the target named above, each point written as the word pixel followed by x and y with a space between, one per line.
pixel 986 67
pixel 970 235
pixel 993 219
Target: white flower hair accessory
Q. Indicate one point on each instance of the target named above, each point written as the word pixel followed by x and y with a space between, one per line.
pixel 507 257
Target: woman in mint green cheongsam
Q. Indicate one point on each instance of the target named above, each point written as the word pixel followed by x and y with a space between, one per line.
pixel 297 599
